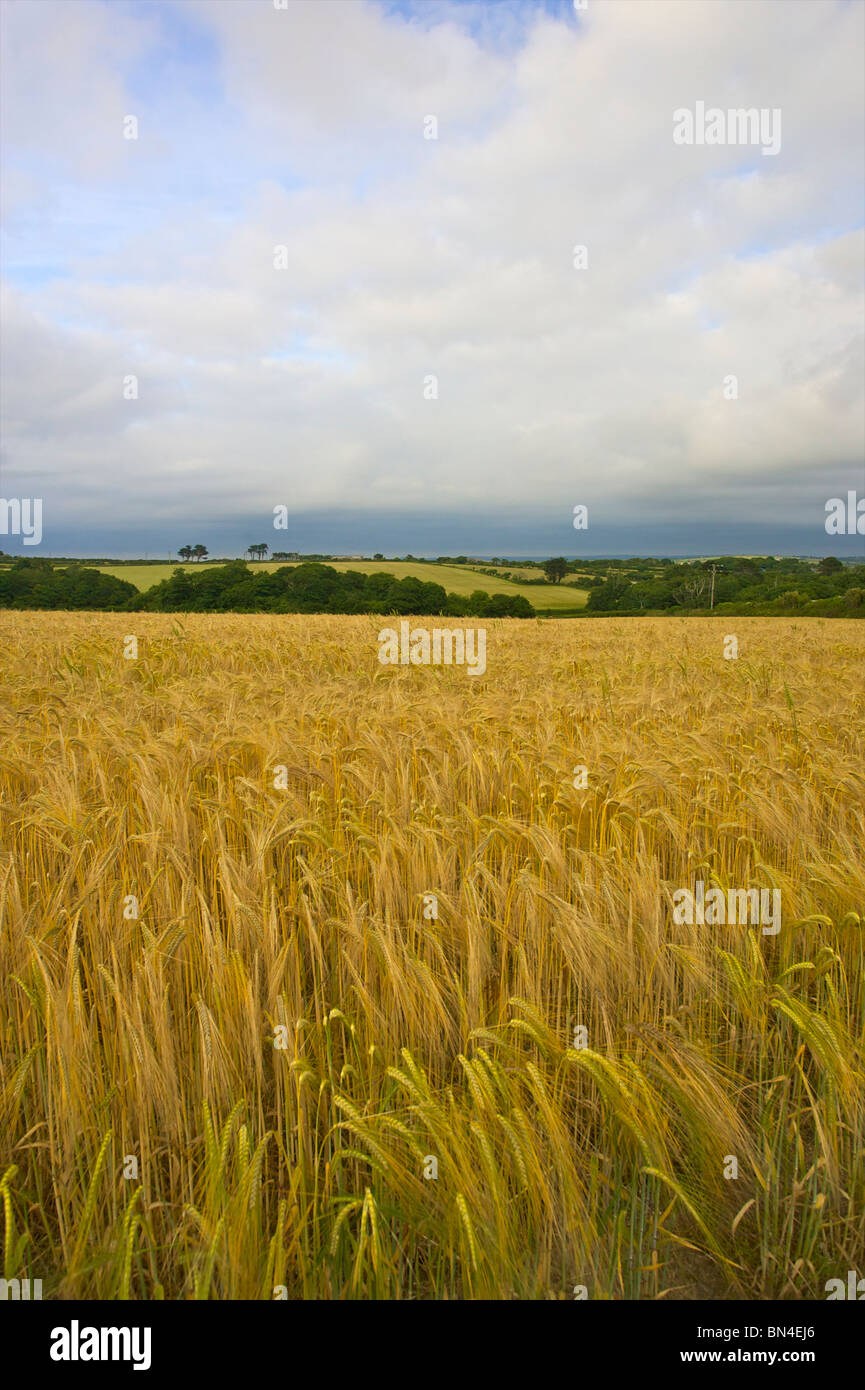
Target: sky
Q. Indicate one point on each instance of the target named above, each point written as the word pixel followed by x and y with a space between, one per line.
pixel 335 270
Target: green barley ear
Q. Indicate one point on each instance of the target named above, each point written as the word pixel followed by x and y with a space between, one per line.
pixel 89 1210
pixel 9 1222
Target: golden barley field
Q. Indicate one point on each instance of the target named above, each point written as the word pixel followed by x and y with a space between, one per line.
pixel 337 1052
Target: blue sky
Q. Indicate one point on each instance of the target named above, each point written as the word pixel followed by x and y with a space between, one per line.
pixel 427 360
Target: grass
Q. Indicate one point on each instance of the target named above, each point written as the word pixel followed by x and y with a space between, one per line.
pixel 241 1088
pixel 457 579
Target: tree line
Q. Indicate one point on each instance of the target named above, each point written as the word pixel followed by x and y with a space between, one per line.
pixel 728 585
pixel 318 588
pixel 235 588
pixel 737 584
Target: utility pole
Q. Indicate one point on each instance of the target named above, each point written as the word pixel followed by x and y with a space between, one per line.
pixel 712 600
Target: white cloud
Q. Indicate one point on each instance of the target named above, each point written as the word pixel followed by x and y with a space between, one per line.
pixel 408 257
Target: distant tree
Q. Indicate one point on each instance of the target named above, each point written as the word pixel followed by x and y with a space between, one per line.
pixel 555 570
pixel 378 555
pixel 281 555
pixel 185 552
pixel 831 565
pixel 507 606
pixel 477 602
pixel 33 582
pixel 199 552
pixel 609 595
pixel 693 590
pixel 259 551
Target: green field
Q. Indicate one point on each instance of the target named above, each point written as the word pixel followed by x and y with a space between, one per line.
pixel 457 579
pixel 518 571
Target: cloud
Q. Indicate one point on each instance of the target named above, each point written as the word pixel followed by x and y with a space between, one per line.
pixel 408 258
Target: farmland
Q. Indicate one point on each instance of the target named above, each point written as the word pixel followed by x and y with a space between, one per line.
pixel 297 951
pixel 457 579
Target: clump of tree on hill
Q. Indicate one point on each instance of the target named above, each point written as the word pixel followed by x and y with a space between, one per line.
pixel 316 588
pixel 33 582
pixel 556 569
